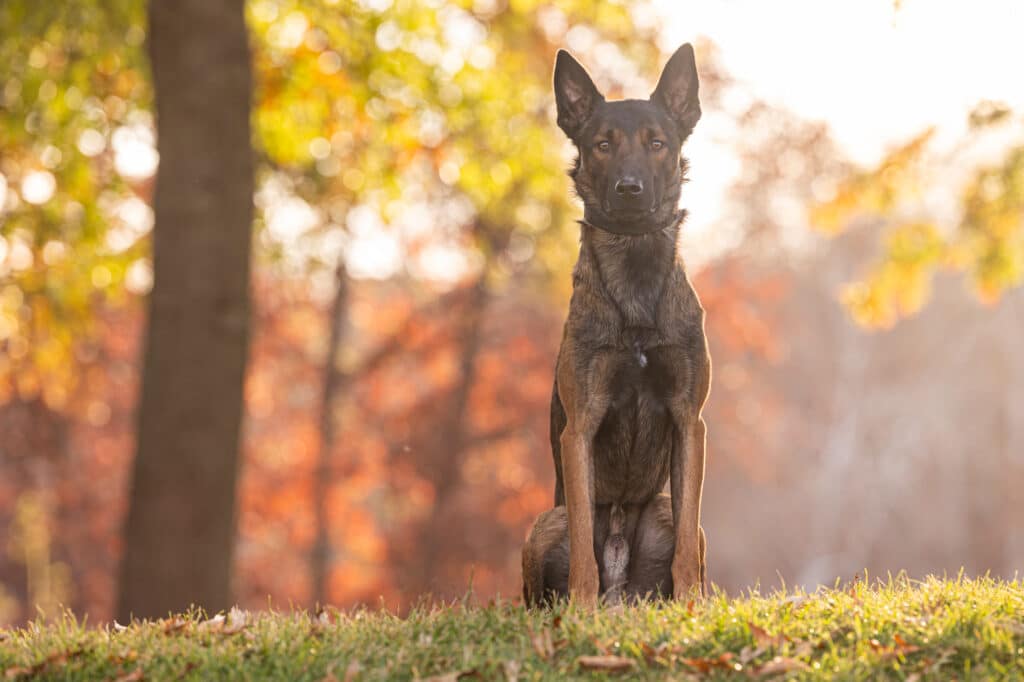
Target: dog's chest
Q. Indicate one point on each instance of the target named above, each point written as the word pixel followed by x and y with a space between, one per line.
pixel 633 443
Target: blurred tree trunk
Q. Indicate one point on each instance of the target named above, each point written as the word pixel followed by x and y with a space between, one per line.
pixel 334 379
pixel 446 472
pixel 179 534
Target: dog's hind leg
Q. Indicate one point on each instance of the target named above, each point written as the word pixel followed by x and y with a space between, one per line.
pixel 546 559
pixel 650 569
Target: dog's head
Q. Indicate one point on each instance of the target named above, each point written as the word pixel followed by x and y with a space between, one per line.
pixel 628 171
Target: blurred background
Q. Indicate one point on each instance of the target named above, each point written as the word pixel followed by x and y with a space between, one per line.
pixel 856 234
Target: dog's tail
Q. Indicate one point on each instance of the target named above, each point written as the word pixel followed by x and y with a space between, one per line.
pixel 615 562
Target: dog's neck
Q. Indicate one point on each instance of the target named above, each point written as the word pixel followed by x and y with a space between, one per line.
pixel 633 269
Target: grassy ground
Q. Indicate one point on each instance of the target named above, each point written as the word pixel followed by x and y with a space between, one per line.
pixel 907 630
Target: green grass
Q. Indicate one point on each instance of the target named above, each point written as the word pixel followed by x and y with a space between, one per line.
pixel 901 629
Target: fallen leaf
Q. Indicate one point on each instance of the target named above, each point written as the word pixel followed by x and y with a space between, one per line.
pixel 215 623
pixel 174 624
pixel 689 607
pixel 352 671
pixel 511 670
pixel 932 667
pixel 119 628
pixel 543 643
pixel 237 621
pixel 606 663
pixel 134 676
pixel 189 667
pixel 450 677
pixel 705 665
pixel 601 647
pixel 763 639
pixel 804 648
pixel 655 655
pixel 899 648
pixel 127 657
pixel 779 664
pixel 56 658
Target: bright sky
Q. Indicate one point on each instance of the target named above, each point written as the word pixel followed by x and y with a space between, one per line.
pixel 876 74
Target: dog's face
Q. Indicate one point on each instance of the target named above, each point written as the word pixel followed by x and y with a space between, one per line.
pixel 628 171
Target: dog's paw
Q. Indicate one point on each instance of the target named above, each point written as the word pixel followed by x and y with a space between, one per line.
pixel 584 586
pixel 686 581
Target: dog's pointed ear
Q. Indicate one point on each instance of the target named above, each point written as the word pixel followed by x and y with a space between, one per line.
pixel 576 96
pixel 677 90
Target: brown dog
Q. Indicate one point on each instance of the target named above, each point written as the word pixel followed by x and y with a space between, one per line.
pixel 633 371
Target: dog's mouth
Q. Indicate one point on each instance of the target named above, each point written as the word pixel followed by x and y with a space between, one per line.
pixel 629 214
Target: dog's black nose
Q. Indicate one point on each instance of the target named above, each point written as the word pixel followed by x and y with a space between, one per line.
pixel 629 185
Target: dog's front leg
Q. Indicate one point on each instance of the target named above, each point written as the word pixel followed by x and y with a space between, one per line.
pixel 583 392
pixel 578 472
pixel 687 479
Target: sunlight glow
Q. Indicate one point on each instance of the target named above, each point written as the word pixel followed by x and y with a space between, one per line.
pixel 875 74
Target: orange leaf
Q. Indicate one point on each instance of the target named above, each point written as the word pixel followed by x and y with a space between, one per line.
pixel 607 663
pixel 705 665
pixel 780 664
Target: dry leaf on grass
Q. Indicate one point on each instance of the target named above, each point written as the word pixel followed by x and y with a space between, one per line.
pixel 779 664
pixel 129 656
pixel 237 621
pixel 544 643
pixel 189 667
pixel 352 671
pixel 656 655
pixel 764 639
pixel 705 665
pixel 749 653
pixel 172 625
pixel 54 659
pixel 134 676
pixel 1013 627
pixel 511 670
pixel 450 677
pixel 804 648
pixel 606 663
pixel 899 648
pixel 932 667
pixel 215 623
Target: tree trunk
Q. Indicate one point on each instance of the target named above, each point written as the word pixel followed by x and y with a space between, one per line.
pixel 449 450
pixel 333 380
pixel 180 529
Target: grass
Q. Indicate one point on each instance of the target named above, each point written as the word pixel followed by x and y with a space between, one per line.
pixel 899 629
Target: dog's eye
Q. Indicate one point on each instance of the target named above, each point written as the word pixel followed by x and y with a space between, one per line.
pixel 657 144
pixel 603 146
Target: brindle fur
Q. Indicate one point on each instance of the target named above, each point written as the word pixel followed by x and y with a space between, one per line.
pixel 633 371
pixel 648 538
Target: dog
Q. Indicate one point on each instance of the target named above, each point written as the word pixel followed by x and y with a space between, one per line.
pixel 633 371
